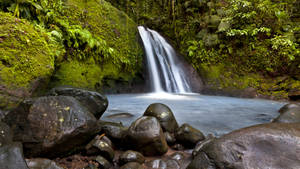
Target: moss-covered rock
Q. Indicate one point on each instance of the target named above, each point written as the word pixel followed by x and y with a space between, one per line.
pixel 120 33
pixel 222 80
pixel 26 60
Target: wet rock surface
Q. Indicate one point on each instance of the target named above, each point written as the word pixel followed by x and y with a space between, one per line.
pixel 101 147
pixel 201 161
pixel 103 163
pixel 290 115
pixel 188 135
pixel 94 101
pixel 131 156
pixel 42 163
pixel 114 131
pixel 52 126
pixel 259 146
pixel 132 165
pixel 170 138
pixel 288 107
pixel 146 135
pixel 11 156
pixel 164 115
pixel 6 136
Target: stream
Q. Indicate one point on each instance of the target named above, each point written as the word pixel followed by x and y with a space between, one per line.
pixel 217 115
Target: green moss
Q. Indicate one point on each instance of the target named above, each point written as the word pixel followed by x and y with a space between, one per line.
pixel 25 57
pixel 119 32
pixel 221 77
pixel 86 74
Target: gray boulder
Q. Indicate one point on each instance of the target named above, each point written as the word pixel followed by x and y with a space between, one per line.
pixel 188 135
pixel 273 145
pixel 131 156
pixel 11 156
pixel 52 126
pixel 42 163
pixel 94 101
pixel 292 115
pixel 132 165
pixel 146 136
pixel 164 115
pixel 114 131
pixel 288 107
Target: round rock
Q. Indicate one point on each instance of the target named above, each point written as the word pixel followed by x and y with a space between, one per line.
pixel 131 156
pixel 132 165
pixel 164 115
pixel 291 115
pixel 94 101
pixel 146 136
pixel 170 138
pixel 42 163
pixel 104 164
pixel 188 135
pixel 52 126
pixel 114 131
pixel 100 147
pixel 288 107
pixel 272 145
pixel 11 157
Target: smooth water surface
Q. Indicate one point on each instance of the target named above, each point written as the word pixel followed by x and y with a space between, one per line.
pixel 210 114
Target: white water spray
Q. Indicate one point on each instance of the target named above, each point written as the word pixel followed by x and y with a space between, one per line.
pixel 164 72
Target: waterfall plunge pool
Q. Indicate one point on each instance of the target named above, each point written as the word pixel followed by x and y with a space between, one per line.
pixel 210 114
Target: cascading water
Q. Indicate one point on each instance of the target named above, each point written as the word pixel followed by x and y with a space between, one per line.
pixel 163 67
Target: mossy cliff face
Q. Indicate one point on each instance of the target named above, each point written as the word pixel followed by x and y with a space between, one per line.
pixel 120 33
pixel 26 60
pixel 221 80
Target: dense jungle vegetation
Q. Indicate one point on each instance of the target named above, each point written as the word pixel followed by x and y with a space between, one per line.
pixel 231 43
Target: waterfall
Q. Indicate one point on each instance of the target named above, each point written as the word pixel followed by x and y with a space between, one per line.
pixel 164 69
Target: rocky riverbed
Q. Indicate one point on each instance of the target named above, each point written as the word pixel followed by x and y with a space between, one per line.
pixel 62 130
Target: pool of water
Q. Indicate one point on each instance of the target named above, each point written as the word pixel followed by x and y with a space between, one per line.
pixel 210 114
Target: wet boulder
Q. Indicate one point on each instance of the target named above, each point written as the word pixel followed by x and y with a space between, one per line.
pixel 163 164
pixel 52 126
pixel 201 161
pixel 103 163
pixel 188 135
pixel 273 145
pixel 157 164
pixel 202 143
pixel 94 101
pixel 6 136
pixel 288 107
pixel 178 156
pixel 11 156
pixel 132 165
pixel 291 115
pixel 170 138
pixel 42 163
pixel 114 131
pixel 178 147
pixel 100 147
pixel 146 136
pixel 131 156
pixel 164 115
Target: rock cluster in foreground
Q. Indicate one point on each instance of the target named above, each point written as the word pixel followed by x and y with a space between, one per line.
pixel 62 126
